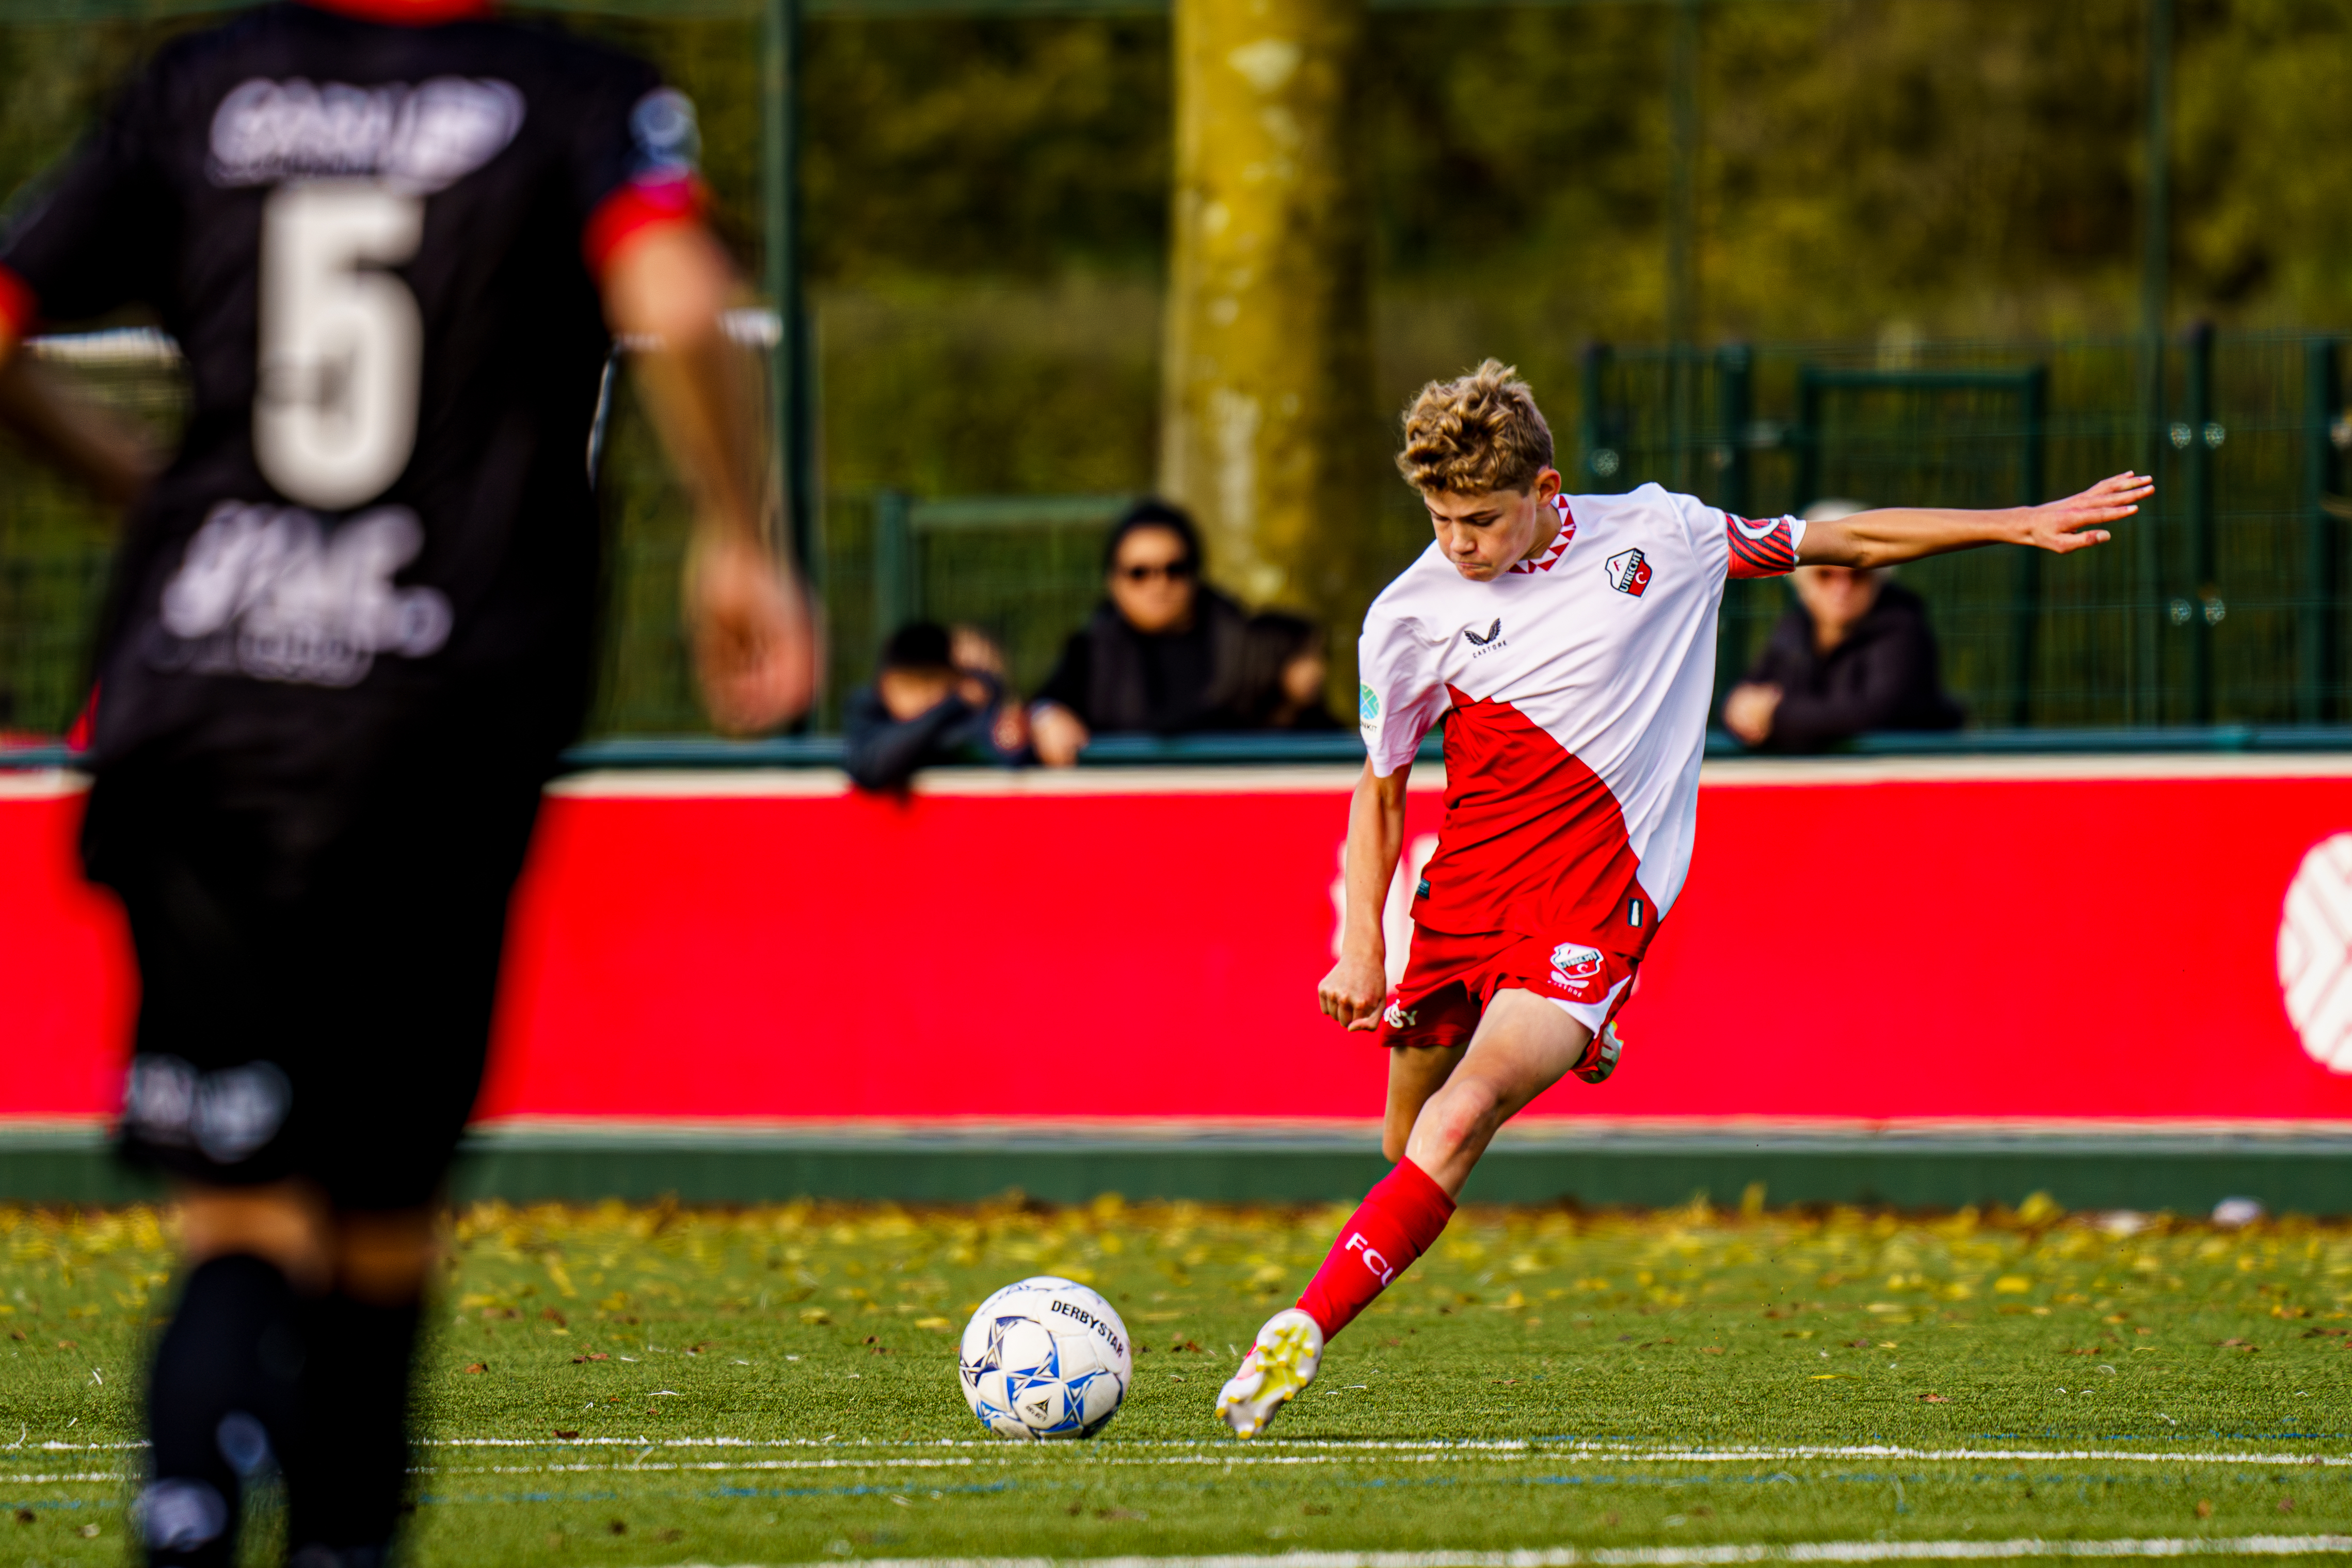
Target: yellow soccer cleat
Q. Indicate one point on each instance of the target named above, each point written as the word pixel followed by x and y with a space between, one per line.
pixel 1278 1369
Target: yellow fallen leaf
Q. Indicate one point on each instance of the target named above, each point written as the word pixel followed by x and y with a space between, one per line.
pixel 2011 1285
pixel 933 1324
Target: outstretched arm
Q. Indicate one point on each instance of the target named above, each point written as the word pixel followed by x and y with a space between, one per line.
pixel 754 647
pixel 71 430
pixel 1893 536
pixel 1352 993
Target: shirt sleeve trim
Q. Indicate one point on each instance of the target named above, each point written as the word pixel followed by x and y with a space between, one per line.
pixel 19 310
pixel 632 209
pixel 1766 551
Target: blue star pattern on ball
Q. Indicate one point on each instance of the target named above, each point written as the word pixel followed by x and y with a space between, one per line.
pixel 1045 1358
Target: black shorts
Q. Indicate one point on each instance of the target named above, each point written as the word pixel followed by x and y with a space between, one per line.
pixel 316 984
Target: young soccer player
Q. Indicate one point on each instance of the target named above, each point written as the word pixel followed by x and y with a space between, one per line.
pixel 350 630
pixel 1570 645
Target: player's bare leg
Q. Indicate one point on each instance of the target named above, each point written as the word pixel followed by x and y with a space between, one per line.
pixel 1416 1073
pixel 223 1392
pixel 290 1342
pixel 345 1489
pixel 1289 1349
pixel 1452 1099
pixel 1524 1045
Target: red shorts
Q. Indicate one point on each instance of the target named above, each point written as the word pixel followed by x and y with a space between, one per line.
pixel 1449 980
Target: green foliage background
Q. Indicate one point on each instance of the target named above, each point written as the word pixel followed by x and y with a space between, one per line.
pixel 985 211
pixel 1950 168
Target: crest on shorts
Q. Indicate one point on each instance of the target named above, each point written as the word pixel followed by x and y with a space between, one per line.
pixel 1399 1017
pixel 1628 571
pixel 1575 966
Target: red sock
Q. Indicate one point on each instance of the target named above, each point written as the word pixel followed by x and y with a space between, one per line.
pixel 1398 1220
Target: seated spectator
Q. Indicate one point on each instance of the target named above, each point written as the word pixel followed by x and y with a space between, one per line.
pixel 1161 654
pixel 1284 672
pixel 937 696
pixel 1853 655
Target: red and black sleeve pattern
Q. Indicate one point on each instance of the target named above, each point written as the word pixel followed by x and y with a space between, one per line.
pixel 1762 549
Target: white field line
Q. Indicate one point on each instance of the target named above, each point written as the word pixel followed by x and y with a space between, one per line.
pixel 1439 1446
pixel 1334 1451
pixel 1002 1455
pixel 1677 1557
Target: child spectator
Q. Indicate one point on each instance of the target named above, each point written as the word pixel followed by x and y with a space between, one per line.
pixel 938 697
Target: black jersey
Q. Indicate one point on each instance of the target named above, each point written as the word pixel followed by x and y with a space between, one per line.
pixel 375 246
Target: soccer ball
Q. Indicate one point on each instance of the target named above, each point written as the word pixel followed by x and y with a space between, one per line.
pixel 1045 1358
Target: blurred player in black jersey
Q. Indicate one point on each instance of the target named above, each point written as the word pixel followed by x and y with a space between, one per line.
pixel 350 631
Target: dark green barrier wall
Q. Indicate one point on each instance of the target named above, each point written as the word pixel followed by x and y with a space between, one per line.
pixel 2183 1174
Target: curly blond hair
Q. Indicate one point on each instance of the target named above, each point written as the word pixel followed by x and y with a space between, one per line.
pixel 1475 434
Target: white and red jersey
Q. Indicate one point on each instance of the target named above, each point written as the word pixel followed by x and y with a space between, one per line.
pixel 1578 684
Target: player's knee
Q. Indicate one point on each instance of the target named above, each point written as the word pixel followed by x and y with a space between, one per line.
pixel 384 1258
pixel 283 1225
pixel 1463 1115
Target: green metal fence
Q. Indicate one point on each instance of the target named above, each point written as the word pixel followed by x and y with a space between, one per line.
pixel 2219 606
pixel 1028 570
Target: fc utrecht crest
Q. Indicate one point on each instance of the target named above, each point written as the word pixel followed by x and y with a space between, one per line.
pixel 1577 963
pixel 1629 572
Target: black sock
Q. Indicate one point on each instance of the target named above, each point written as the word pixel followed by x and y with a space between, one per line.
pixel 221 1404
pixel 345 1488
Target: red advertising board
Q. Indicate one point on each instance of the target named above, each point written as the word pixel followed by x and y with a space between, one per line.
pixel 1886 941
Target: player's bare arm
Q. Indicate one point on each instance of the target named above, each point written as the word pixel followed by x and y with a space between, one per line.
pixel 1352 993
pixel 70 429
pixel 1892 536
pixel 754 645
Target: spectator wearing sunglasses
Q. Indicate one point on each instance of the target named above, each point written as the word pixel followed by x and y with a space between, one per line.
pixel 1161 654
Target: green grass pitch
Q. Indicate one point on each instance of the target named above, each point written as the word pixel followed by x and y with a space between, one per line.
pixel 641 1386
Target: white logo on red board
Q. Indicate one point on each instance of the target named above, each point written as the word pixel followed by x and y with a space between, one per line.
pixel 2315 953
pixel 1629 572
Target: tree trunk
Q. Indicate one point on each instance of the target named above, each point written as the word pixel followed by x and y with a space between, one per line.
pixel 1266 429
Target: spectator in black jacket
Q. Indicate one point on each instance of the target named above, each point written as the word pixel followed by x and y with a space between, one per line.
pixel 937 696
pixel 1284 672
pixel 1853 654
pixel 1162 654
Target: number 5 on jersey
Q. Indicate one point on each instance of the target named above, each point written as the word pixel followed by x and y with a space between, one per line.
pixel 342 343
